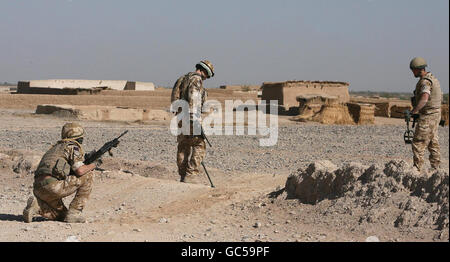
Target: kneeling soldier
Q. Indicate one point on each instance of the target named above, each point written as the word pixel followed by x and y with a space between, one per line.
pixel 60 174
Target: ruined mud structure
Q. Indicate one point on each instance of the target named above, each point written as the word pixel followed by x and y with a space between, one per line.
pixel 323 109
pixel 394 194
pixel 104 113
pixel 243 88
pixel 329 110
pixel 445 114
pixel 79 87
pixel 385 107
pixel 362 114
pixel 286 92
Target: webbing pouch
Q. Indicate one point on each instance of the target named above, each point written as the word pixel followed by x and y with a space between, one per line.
pixel 61 169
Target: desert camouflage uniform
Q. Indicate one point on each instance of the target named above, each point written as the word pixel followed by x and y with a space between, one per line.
pixel 426 133
pixel 191 90
pixel 50 188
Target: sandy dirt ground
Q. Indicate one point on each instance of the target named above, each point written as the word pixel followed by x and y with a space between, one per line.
pixel 138 197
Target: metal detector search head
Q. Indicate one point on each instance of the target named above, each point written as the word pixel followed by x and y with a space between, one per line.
pixel 409 134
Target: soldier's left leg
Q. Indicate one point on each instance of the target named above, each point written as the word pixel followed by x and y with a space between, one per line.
pixel 198 153
pixel 84 185
pixel 184 150
pixel 433 146
pixel 420 141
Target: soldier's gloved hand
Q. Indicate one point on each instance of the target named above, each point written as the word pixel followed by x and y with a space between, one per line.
pixel 89 155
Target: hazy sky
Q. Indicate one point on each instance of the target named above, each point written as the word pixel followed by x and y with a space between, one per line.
pixel 368 43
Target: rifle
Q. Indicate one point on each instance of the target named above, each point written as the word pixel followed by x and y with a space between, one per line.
pixel 95 155
pixel 206 171
pixel 409 134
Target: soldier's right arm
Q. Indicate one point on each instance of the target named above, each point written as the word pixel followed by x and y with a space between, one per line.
pixel 422 96
pixel 75 158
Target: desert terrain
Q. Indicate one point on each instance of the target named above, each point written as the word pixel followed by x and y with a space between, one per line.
pixel 137 196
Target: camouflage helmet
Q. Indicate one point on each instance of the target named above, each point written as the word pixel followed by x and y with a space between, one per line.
pixel 205 64
pixel 72 131
pixel 418 63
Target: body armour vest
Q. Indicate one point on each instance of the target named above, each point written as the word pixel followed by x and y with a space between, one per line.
pixel 54 162
pixel 434 102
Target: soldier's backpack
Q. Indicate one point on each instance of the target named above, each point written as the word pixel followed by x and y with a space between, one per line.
pixel 179 90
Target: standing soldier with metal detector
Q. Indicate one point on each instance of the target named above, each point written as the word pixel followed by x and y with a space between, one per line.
pixel 190 89
pixel 427 105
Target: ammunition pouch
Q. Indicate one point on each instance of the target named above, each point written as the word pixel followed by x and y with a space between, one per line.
pixel 46 181
pixel 61 169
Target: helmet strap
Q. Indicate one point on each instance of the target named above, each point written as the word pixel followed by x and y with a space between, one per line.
pixel 208 70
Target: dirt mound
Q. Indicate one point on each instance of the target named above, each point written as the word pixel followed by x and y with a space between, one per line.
pixel 395 194
pixel 19 161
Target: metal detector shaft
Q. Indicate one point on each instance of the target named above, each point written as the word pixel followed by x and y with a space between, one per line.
pixel 206 171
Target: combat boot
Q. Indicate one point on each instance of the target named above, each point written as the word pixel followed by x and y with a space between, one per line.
pixel 432 170
pixel 31 209
pixel 74 216
pixel 189 179
pixel 417 169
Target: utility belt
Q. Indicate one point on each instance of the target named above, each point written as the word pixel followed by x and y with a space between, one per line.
pixel 432 112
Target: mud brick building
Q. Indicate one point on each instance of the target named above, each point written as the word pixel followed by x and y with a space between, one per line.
pixel 287 92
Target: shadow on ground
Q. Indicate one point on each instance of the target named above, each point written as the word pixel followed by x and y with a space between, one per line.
pixel 18 218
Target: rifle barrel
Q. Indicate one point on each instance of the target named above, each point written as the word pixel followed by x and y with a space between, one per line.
pixel 124 133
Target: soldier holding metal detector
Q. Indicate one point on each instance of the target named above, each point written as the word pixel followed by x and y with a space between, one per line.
pixel 427 111
pixel 409 134
pixel 191 142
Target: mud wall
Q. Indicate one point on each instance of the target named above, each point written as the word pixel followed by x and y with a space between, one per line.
pixel 241 87
pixel 72 86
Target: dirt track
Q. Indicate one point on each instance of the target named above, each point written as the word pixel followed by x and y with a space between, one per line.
pixel 139 199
